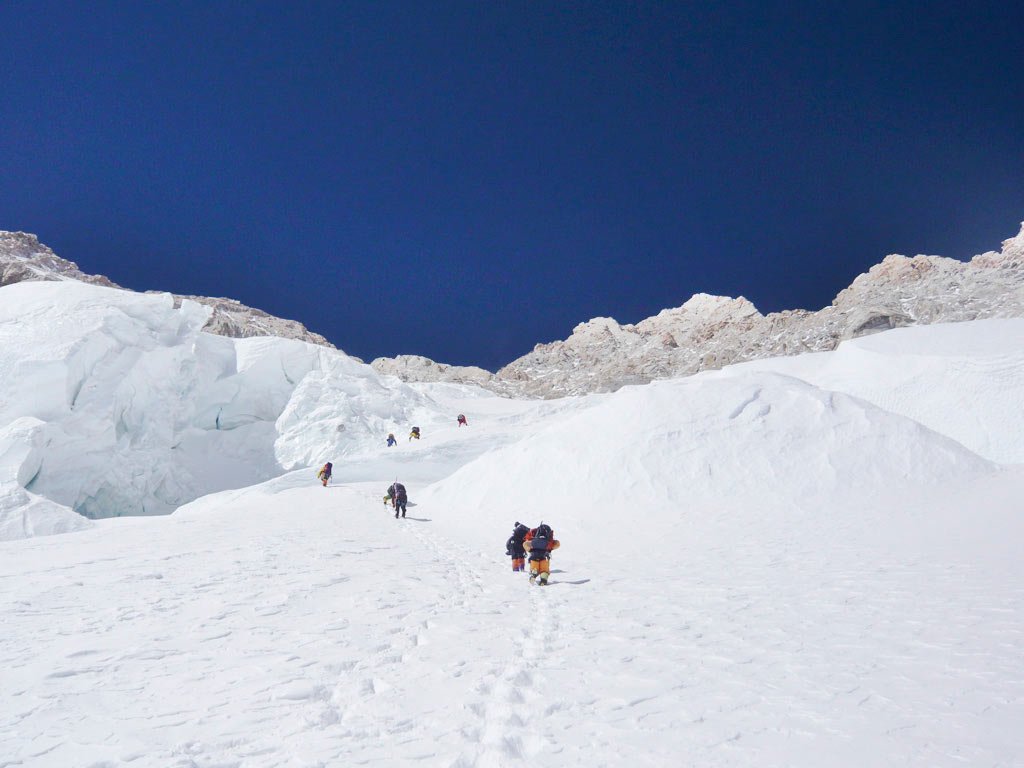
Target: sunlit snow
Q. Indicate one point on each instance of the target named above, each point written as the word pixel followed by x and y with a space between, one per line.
pixel 808 561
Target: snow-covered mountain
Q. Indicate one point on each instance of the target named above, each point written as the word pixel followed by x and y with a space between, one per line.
pixel 24 258
pixel 705 333
pixel 709 332
pixel 801 561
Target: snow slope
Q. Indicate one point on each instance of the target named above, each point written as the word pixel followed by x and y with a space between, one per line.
pixel 755 571
pixel 961 379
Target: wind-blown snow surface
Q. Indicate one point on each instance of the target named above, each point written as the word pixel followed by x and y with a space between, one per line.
pixel 754 571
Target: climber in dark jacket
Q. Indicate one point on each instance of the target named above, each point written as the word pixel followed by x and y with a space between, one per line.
pixel 399 498
pixel 514 546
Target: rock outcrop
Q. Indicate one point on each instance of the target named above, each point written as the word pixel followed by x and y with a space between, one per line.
pixel 709 332
pixel 24 258
pixel 414 368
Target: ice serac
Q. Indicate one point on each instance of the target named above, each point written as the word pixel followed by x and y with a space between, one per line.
pixel 117 403
pixel 23 515
pixel 709 332
pixel 24 259
pixel 344 407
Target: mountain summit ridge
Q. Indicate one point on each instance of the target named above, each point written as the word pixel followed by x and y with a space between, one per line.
pixel 706 332
pixel 709 332
pixel 24 258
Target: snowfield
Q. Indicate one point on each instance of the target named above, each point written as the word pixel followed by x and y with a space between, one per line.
pixel 807 561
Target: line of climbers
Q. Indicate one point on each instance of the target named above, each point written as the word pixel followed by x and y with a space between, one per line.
pixel 533 545
pixel 415 433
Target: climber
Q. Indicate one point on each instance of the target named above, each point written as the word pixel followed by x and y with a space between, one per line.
pixel 325 473
pixel 540 543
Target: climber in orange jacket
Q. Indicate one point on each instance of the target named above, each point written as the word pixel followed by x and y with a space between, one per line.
pixel 539 543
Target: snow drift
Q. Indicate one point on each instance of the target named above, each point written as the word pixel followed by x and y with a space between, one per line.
pixel 707 446
pixel 961 379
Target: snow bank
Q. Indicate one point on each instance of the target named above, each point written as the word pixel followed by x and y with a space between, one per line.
pixel 718 445
pixel 23 514
pixel 965 380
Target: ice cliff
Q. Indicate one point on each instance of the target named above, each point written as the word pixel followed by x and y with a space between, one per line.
pixel 115 403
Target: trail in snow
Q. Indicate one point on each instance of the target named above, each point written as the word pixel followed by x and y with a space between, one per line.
pixel 309 627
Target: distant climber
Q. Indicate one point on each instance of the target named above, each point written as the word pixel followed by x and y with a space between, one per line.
pixel 415 433
pixel 325 473
pixel 391 439
pixel 398 498
pixel 540 543
pixel 462 421
pixel 514 546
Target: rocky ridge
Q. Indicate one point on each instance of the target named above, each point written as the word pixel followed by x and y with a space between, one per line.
pixel 23 258
pixel 415 368
pixel 706 332
pixel 709 332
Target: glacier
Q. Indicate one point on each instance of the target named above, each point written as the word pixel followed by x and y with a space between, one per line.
pixel 116 403
pixel 804 561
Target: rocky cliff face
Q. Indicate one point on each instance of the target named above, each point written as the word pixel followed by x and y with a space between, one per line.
pixel 23 257
pixel 712 331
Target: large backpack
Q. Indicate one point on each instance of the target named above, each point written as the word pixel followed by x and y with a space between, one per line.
pixel 539 542
pixel 519 533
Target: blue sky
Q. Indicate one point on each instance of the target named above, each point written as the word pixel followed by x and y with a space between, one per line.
pixel 464 180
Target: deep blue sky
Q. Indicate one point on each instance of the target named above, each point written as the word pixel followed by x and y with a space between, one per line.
pixel 463 180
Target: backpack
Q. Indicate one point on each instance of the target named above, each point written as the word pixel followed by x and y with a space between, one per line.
pixel 519 533
pixel 544 530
